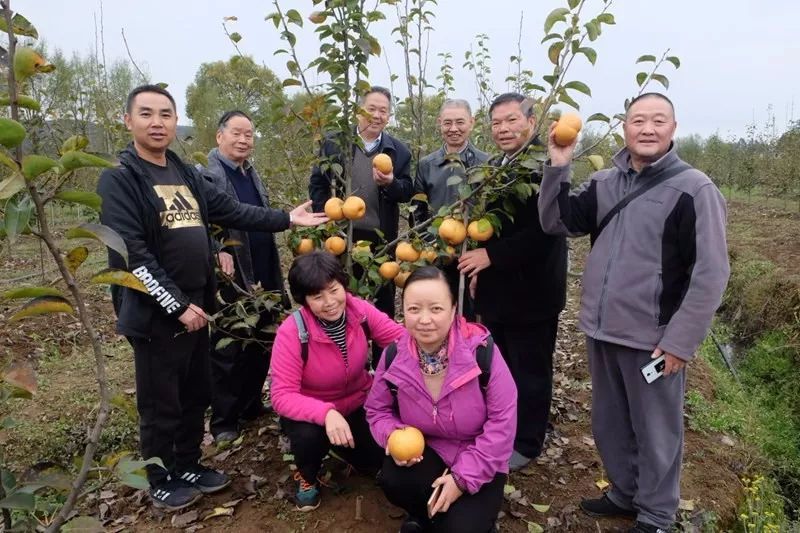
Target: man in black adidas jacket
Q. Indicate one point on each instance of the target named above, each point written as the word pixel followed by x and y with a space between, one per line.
pixel 161 207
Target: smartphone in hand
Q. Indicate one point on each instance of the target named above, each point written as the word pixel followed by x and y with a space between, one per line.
pixel 435 495
pixel 654 369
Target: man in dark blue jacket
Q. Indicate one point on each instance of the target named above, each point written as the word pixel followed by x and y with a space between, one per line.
pixel 161 207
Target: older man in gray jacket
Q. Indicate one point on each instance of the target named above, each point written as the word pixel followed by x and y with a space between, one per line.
pixel 238 373
pixel 652 282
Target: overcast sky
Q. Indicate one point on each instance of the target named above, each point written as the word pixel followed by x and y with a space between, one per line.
pixel 738 56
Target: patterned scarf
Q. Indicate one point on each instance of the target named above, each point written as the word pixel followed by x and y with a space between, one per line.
pixel 435 362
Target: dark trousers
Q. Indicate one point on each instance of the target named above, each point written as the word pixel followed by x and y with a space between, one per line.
pixel 173 391
pixel 453 277
pixel 410 487
pixel 238 374
pixel 528 352
pixel 310 445
pixel 638 428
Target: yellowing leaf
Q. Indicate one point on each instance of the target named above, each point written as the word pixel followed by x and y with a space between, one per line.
pixel 76 257
pixel 76 159
pixel 102 233
pixel 219 511
pixel 76 142
pixel 11 186
pixel 6 160
pixel 508 489
pixel 115 276
pixel 601 484
pixel 533 527
pixel 686 505
pixel 30 292
pixel 22 376
pixel 597 161
pixel 43 305
pixel 542 508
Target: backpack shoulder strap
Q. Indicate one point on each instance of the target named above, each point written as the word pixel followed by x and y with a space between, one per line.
pixel 484 355
pixel 302 334
pixel 659 178
pixel 388 358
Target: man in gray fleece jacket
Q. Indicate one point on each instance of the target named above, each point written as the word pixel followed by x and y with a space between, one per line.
pixel 651 284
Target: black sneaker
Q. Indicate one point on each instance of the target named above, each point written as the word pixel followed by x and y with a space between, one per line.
pixel 642 527
pixel 174 495
pixel 412 525
pixel 204 479
pixel 604 507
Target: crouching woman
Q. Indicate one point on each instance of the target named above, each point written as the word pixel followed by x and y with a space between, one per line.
pixel 320 375
pixel 434 383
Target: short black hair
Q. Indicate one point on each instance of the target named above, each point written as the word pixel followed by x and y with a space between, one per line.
pixel 312 272
pixel 652 95
pixel 511 97
pixel 148 88
pixel 228 115
pixel 429 272
pixel 380 90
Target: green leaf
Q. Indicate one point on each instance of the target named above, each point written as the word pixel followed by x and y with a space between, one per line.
pixel 554 51
pixel 551 36
pixel 606 18
pixel 235 37
pixel 508 489
pixel 641 78
pixel 564 98
pixel 660 78
pixel 223 342
pixel 597 163
pixel 12 133
pixel 600 117
pixel 20 25
pixel 115 276
pixel 102 233
pixel 89 199
pixel 541 507
pixel 646 58
pixel 34 165
pixel 533 527
pixel 579 86
pixel 592 30
pixel 618 138
pixel 137 481
pixel 289 82
pixel 84 524
pixel 19 501
pixel 573 3
pixel 43 305
pixel 7 161
pixel 18 214
pixel 590 54
pixel 126 464
pixel 454 180
pixel 11 186
pixel 7 480
pixel 557 15
pixel 76 159
pixel 675 61
pixel 293 16
pixel 30 292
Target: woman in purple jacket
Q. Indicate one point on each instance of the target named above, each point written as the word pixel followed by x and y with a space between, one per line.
pixel 319 390
pixel 433 384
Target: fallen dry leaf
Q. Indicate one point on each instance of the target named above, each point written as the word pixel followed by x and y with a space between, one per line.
pixel 183 520
pixel 219 511
pixel 601 484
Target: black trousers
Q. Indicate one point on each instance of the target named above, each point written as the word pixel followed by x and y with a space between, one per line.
pixel 238 374
pixel 528 352
pixel 384 298
pixel 310 445
pixel 453 276
pixel 410 487
pixel 173 391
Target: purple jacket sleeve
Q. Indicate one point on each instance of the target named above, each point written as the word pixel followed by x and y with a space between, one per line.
pixel 489 453
pixel 379 407
pixel 286 368
pixel 689 325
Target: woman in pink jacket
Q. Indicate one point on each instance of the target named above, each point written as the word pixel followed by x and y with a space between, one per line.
pixel 319 386
pixel 434 384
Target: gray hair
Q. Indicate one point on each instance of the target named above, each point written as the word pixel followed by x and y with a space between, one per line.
pixel 456 102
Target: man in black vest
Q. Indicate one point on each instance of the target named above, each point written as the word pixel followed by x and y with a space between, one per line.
pixel 519 280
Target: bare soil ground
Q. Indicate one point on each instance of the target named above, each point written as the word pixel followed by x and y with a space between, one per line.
pixel 568 470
